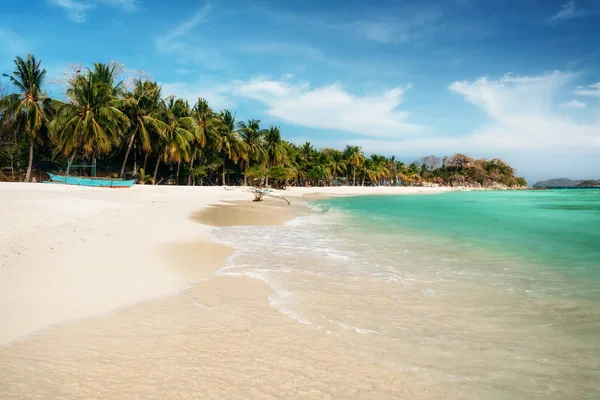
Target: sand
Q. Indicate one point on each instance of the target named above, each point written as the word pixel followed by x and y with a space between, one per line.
pixel 113 294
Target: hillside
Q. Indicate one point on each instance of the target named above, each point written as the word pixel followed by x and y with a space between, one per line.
pixel 566 182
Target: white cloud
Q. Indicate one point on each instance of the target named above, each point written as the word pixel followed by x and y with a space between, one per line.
pixel 573 104
pixel 569 10
pixel 331 107
pixel 591 90
pixel 522 113
pixel 397 30
pixel 77 9
pixel 218 96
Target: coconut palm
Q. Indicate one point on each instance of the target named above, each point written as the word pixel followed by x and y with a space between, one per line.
pixel 355 158
pixel 335 163
pixel 177 137
pixel 30 107
pixel 380 167
pixel 90 122
pixel 206 130
pixel 143 109
pixel 229 144
pixel 253 137
pixel 109 73
pixel 295 162
pixel 367 169
pixel 276 153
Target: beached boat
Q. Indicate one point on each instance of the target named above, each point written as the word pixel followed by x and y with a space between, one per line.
pixel 86 181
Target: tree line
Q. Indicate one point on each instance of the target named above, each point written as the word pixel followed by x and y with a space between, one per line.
pixel 130 130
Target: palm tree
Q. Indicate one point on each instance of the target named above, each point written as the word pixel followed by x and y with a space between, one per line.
pixel 91 122
pixel 206 130
pixel 380 167
pixel 354 157
pixel 335 163
pixel 252 135
pixel 108 73
pixel 295 162
pixel 143 108
pixel 30 107
pixel 276 153
pixel 176 138
pixel 368 171
pixel 229 144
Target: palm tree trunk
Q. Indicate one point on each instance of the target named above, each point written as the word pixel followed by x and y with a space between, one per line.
pixel 145 160
pixel 134 160
pixel 156 168
pixel 177 174
pixel 363 180
pixel 224 168
pixel 127 152
pixel 30 165
pixel 189 180
pixel 354 184
pixel 71 161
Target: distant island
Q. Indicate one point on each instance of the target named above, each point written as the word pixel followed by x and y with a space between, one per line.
pixel 567 183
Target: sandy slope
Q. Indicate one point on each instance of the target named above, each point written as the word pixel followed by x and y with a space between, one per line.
pixel 70 252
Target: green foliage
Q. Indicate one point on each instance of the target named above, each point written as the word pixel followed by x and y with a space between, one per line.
pixel 144 178
pixel 280 175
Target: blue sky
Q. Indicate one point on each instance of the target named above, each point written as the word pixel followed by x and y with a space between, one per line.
pixel 514 79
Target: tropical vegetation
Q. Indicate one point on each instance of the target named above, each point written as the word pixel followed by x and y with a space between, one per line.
pixel 128 129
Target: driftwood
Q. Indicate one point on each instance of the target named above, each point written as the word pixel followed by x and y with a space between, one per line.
pixel 260 193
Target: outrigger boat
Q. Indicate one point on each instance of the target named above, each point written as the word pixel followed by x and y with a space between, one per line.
pixel 89 181
pixel 86 181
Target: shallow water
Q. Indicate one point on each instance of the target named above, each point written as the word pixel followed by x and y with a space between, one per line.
pixel 496 292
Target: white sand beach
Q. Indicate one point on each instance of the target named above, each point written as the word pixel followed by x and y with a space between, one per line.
pixel 74 259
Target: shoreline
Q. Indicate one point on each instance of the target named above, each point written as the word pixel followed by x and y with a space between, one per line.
pixel 228 316
pixel 103 249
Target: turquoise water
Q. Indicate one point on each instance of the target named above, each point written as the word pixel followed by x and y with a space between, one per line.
pixel 557 228
pixel 489 295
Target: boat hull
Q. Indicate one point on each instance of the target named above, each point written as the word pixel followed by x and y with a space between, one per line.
pixel 94 182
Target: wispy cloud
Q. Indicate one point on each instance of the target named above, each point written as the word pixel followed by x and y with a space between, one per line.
pixel 591 90
pixel 573 104
pixel 125 5
pixel 296 50
pixel 396 25
pixel 568 11
pixel 183 28
pixel 332 107
pixel 12 43
pixel 399 29
pixel 77 10
pixel 180 41
pixel 523 118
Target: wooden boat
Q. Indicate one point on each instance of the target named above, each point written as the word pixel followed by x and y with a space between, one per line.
pixel 85 181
